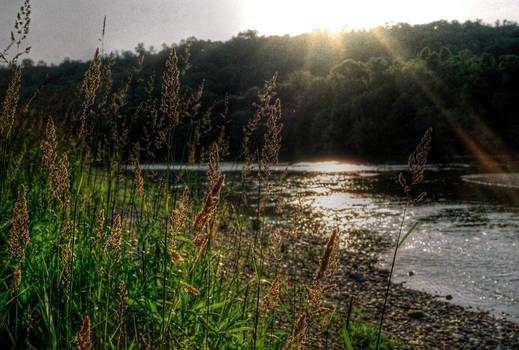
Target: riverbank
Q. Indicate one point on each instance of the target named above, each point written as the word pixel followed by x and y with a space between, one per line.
pixel 414 317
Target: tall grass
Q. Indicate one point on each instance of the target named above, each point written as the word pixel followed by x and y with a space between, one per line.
pixel 99 253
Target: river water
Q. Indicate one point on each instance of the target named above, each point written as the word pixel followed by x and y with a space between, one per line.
pixel 466 241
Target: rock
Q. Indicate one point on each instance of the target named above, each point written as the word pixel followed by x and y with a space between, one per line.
pixel 458 337
pixel 465 329
pixel 448 297
pixel 357 277
pixel 411 273
pixel 417 314
pixel 384 272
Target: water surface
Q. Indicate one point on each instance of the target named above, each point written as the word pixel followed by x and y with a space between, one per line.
pixel 466 242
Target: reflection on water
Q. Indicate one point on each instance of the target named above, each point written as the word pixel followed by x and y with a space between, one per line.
pixel 463 246
pixel 307 167
pixel 466 242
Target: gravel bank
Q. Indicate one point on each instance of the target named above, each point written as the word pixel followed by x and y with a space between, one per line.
pixel 415 317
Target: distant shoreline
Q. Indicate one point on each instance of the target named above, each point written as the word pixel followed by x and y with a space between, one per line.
pixel 507 180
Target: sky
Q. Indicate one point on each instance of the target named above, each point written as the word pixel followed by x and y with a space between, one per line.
pixel 72 28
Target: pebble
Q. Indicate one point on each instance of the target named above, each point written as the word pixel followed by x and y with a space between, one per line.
pixel 458 336
pixel 417 314
pixel 358 277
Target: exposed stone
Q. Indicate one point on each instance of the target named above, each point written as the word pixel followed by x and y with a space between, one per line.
pixel 417 314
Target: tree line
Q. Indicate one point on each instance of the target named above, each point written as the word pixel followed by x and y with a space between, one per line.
pixel 360 94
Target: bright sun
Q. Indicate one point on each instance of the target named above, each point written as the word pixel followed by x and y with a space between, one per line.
pixel 294 17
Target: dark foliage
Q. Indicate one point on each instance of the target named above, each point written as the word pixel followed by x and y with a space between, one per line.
pixel 361 94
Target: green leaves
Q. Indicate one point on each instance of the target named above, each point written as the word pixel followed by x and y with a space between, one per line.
pixel 346 338
pixel 407 234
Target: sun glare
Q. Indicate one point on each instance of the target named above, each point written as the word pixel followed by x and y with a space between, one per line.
pixel 331 166
pixel 295 17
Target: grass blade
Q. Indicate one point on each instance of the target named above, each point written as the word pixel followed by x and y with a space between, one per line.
pixel 407 234
pixel 346 338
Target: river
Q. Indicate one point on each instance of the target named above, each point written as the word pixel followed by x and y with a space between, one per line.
pixel 466 241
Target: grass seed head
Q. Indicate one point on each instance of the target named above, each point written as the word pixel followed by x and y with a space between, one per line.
pixel 83 339
pixel 169 102
pixel 213 172
pixel 298 339
pixel 192 146
pixel 177 222
pixel 326 259
pixel 66 262
pixel 91 82
pixel 122 299
pixel 48 146
pixel 418 158
pixel 179 215
pixel 114 239
pixel 190 288
pixel 16 280
pixel 416 163
pixel 99 230
pixel 210 204
pixel 10 101
pixel 271 298
pixel 272 142
pixel 60 182
pixel 19 233
pixel 139 181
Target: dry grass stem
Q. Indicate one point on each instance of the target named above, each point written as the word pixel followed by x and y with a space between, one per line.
pixel 35 94
pixel 193 144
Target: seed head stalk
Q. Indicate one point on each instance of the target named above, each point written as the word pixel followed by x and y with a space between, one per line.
pixel 416 164
pixel 388 287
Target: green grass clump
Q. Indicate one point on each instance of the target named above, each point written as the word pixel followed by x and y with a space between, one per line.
pixel 364 336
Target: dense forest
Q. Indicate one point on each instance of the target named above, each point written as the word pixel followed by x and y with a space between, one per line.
pixel 358 94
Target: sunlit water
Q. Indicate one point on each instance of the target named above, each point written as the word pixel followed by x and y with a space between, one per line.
pixel 466 242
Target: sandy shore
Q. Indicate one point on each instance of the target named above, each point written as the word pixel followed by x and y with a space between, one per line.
pixel 507 180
